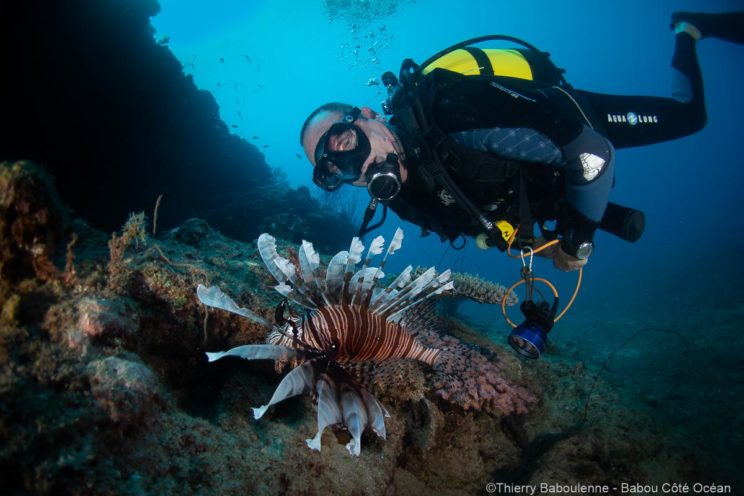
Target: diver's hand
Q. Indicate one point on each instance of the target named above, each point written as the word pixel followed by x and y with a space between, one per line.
pixel 561 260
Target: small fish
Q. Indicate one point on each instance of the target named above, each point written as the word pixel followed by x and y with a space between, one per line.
pixel 266 146
pixel 246 57
pixel 240 115
pixel 298 156
pixel 234 126
pixel 222 60
pixel 261 86
pixel 255 137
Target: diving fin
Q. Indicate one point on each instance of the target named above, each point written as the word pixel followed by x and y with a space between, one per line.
pixel 727 26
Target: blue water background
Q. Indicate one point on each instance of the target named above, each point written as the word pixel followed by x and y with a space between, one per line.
pixel 270 63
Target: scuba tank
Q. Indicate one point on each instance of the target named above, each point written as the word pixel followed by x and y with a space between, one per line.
pixel 525 62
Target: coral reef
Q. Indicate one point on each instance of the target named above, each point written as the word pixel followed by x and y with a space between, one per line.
pixel 476 288
pixel 465 377
pixel 105 390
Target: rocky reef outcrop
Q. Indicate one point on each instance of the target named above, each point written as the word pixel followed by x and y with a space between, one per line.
pixel 105 388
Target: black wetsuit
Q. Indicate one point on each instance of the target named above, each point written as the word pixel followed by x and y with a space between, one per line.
pixel 630 121
pixel 557 134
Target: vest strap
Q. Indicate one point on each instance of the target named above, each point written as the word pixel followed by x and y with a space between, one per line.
pixel 484 63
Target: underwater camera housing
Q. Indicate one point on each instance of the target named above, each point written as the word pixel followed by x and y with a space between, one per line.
pixel 530 337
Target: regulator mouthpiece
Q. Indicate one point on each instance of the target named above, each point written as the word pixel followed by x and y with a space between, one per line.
pixel 383 179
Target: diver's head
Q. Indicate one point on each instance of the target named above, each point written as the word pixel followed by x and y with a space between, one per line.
pixel 351 145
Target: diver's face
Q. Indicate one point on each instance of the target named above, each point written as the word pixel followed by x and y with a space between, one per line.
pixel 315 130
pixel 370 134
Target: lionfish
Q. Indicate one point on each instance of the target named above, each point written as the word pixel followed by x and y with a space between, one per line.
pixel 347 319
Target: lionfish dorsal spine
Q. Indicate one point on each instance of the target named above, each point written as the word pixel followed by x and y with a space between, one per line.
pixel 364 282
pixel 383 297
pixel 411 290
pixel 267 249
pixel 309 260
pixel 394 245
pixel 304 293
pixel 430 292
pixel 335 275
pixel 425 286
pixel 309 265
pixel 285 272
pixel 355 256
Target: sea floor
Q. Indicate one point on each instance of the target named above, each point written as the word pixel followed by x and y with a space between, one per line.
pixel 105 388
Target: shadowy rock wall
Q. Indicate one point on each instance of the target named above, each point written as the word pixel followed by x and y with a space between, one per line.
pixel 89 94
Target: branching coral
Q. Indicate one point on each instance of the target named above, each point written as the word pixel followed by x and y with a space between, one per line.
pixel 132 232
pixel 463 376
pixel 477 289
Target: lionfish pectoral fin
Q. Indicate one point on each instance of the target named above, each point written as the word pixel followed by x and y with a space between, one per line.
pixel 356 426
pixel 328 411
pixel 256 352
pixel 299 380
pixel 376 413
pixel 354 413
pixel 215 298
pixel 259 411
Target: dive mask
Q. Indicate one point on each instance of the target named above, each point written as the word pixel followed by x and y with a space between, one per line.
pixel 341 153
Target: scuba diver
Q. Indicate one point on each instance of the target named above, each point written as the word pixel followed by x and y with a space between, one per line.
pixel 487 143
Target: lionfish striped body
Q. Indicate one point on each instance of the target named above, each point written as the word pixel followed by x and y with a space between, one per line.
pixel 361 336
pixel 348 319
